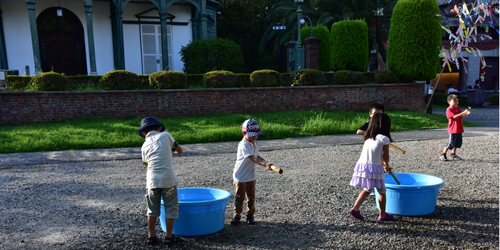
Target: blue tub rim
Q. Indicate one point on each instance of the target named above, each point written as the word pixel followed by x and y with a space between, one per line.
pixel 438 184
pixel 226 197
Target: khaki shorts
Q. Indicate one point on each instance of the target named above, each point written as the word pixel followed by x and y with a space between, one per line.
pixel 170 202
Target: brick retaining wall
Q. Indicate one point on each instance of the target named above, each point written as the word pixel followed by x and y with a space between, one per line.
pixel 46 106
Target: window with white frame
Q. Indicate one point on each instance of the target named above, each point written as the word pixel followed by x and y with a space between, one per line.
pixel 151 48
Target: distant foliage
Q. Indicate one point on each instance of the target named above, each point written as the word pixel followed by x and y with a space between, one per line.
pixel 49 81
pixel 119 79
pixel 385 76
pixel 220 79
pixel 350 49
pixel 266 78
pixel 169 79
pixel 325 46
pixel 415 40
pixel 214 54
pixel 308 77
pixel 347 77
pixel 492 99
pixel 19 83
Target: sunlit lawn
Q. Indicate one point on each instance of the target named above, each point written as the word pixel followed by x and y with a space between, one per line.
pixel 93 133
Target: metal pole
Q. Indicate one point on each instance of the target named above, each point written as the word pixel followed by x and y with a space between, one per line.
pixel 300 64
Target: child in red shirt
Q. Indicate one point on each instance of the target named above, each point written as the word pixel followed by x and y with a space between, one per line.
pixel 455 127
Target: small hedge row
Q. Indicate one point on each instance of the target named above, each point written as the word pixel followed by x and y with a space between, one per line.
pixel 126 80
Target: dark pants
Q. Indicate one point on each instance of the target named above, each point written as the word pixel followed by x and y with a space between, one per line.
pixel 242 189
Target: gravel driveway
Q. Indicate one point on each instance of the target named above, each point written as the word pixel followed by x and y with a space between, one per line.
pixel 100 205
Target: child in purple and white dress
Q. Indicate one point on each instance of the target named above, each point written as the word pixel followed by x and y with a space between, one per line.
pixel 369 170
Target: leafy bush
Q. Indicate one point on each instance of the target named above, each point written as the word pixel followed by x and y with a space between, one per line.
pixel 81 81
pixel 49 81
pixel 442 99
pixel 266 78
pixel 195 81
pixel 347 77
pixel 119 79
pixel 385 76
pixel 169 79
pixel 350 49
pixel 415 40
pixel 369 77
pixel 215 54
pixel 219 79
pixel 308 77
pixel 492 99
pixel 325 49
pixel 18 82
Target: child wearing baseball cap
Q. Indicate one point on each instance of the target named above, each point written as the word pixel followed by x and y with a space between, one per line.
pixel 455 127
pixel 161 180
pixel 244 173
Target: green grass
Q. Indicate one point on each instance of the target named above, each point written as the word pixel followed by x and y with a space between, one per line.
pixel 94 133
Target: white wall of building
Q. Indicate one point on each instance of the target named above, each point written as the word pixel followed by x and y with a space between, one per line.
pixel 182 35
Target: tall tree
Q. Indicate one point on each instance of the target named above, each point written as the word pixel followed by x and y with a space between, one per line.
pixel 242 21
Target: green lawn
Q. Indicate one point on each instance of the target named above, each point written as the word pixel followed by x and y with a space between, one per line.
pixel 93 133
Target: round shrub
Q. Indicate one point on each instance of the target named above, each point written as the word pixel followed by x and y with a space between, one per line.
pixel 169 79
pixel 119 79
pixel 49 81
pixel 308 77
pixel 492 99
pixel 220 79
pixel 347 77
pixel 266 78
pixel 385 76
pixel 214 54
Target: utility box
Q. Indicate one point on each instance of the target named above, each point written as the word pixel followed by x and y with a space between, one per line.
pixel 3 79
pixel 475 97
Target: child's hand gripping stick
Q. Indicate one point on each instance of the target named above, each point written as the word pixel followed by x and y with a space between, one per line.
pixel 392 173
pixel 397 149
pixel 277 169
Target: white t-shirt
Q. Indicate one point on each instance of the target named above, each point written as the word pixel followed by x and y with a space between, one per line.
pixel 373 150
pixel 244 169
pixel 157 152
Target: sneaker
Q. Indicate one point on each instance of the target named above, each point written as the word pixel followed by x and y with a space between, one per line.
pixel 235 221
pixel 250 221
pixel 387 217
pixel 455 157
pixel 356 214
pixel 443 158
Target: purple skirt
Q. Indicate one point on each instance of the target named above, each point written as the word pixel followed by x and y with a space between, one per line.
pixel 367 175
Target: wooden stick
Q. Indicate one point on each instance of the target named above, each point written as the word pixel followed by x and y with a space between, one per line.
pixel 392 173
pixel 396 148
pixel 277 169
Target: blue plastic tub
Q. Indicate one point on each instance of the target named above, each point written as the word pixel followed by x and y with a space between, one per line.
pixel 417 195
pixel 201 211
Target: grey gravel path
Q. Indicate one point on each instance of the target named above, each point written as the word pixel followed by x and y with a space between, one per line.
pixel 87 204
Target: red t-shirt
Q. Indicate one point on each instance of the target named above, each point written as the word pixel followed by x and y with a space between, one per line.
pixel 455 126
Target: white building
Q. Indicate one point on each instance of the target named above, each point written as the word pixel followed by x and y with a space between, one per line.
pixel 91 37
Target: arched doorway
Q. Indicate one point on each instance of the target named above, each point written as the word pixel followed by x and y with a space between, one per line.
pixel 62 44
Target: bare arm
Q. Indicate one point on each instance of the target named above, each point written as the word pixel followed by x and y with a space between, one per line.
pixel 463 114
pixel 386 158
pixel 259 160
pixel 360 132
pixel 177 148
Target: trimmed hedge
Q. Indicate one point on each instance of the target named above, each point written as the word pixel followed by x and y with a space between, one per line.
pixel 347 77
pixel 220 79
pixel 119 80
pixel 492 99
pixel 325 49
pixel 415 40
pixel 18 83
pixel 385 76
pixel 49 81
pixel 203 56
pixel 350 49
pixel 75 82
pixel 169 79
pixel 266 78
pixel 308 77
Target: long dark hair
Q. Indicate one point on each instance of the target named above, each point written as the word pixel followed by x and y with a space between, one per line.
pixel 380 123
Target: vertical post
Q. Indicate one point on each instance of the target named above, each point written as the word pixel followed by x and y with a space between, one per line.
pixel 118 47
pixel 3 50
pixel 164 40
pixel 300 58
pixel 204 20
pixel 90 37
pixel 34 35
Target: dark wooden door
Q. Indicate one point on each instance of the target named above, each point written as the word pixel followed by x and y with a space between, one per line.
pixel 62 46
